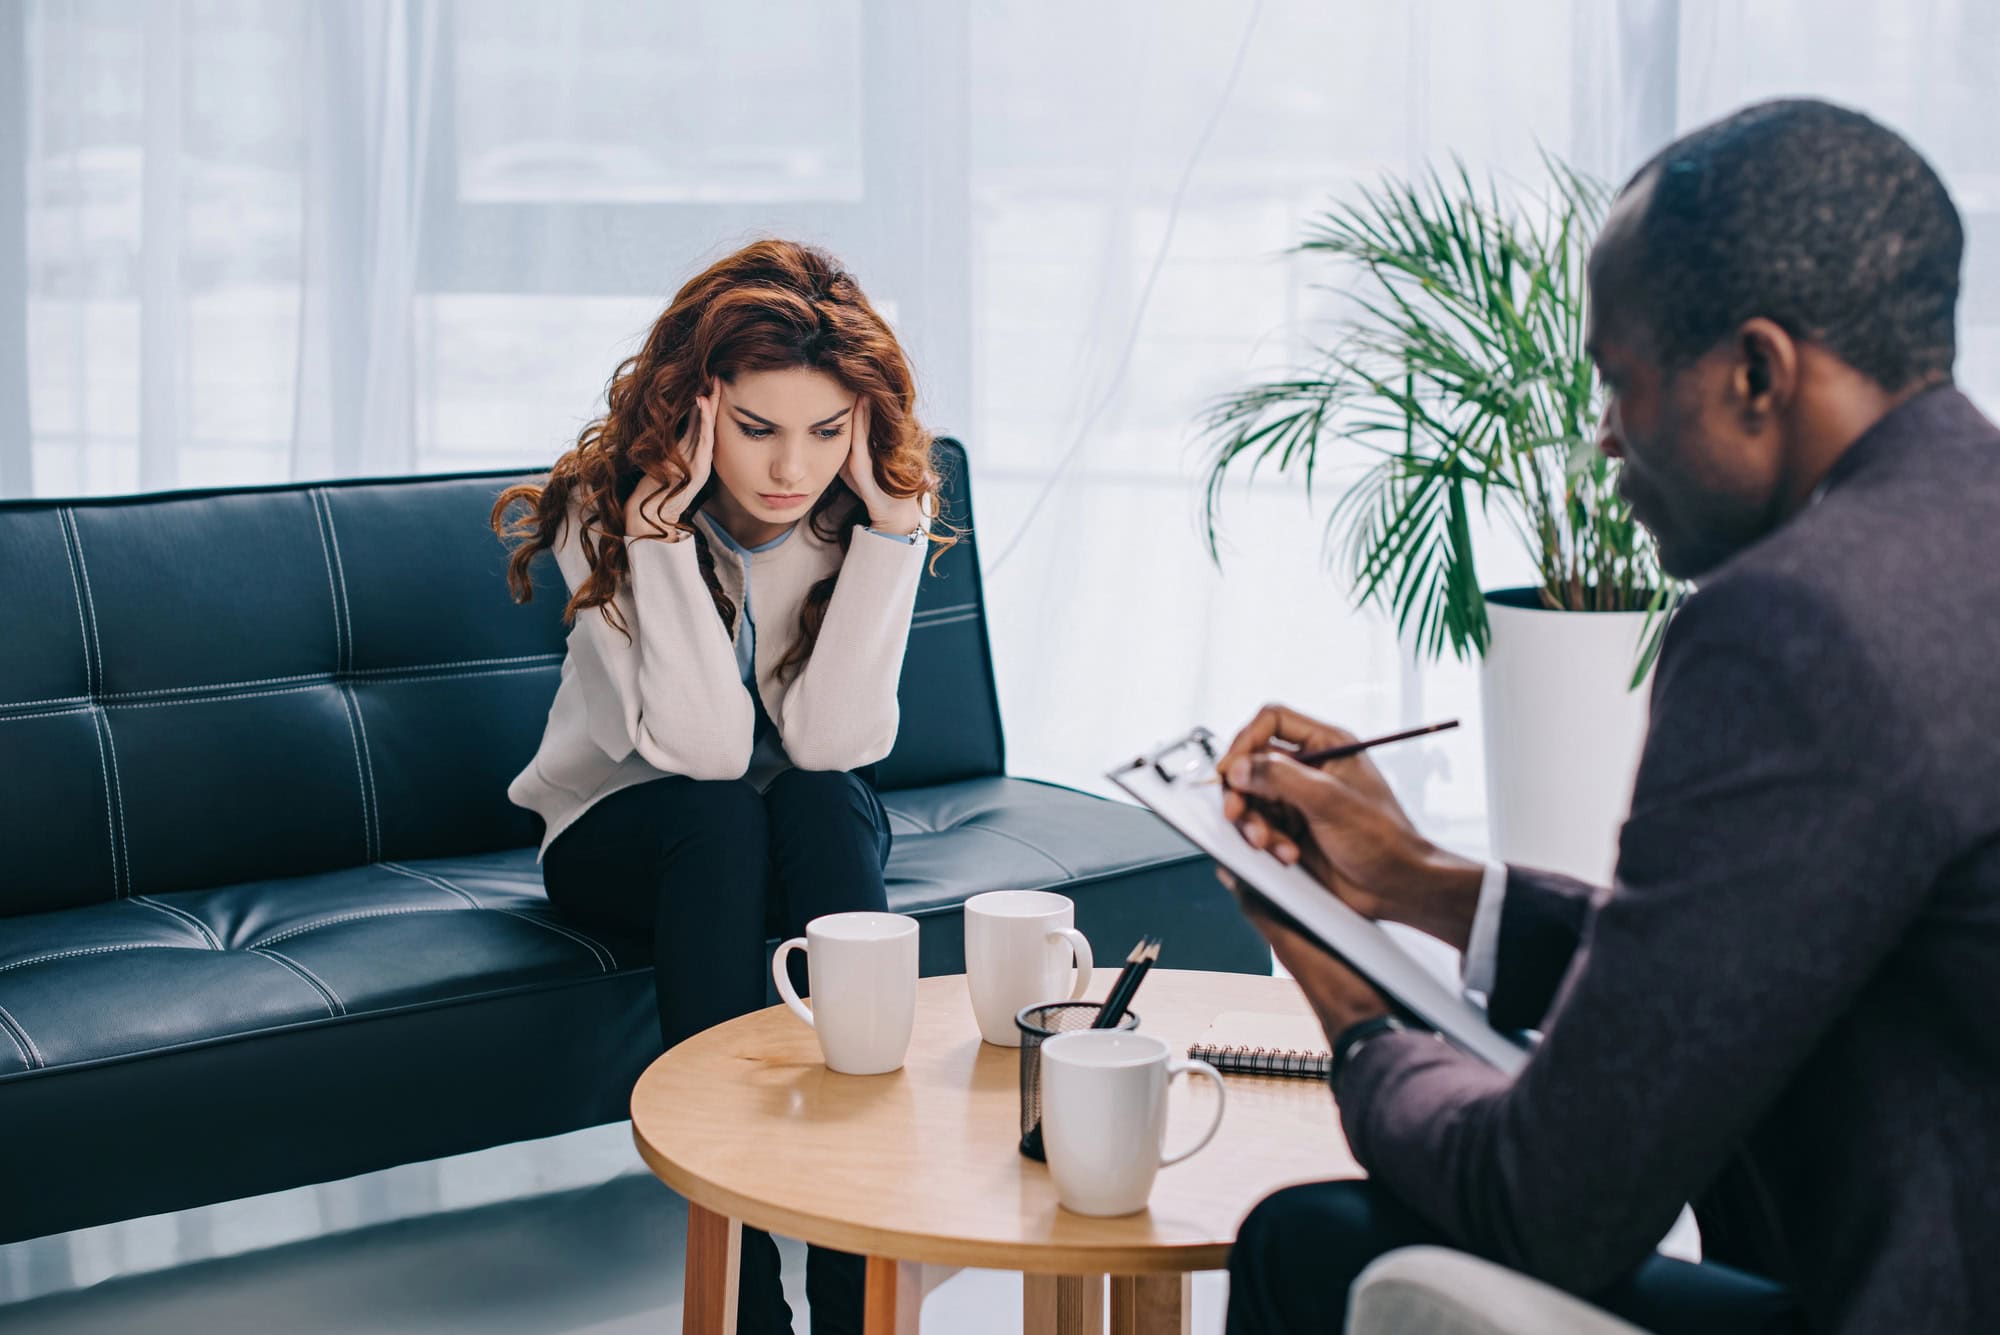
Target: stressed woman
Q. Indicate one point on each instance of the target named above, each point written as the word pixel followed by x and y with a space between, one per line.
pixel 742 534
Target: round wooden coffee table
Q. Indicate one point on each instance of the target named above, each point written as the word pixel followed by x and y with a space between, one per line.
pixel 920 1167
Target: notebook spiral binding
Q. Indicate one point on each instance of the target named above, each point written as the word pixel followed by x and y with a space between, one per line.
pixel 1236 1060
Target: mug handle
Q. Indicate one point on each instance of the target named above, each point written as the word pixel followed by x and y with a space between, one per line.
pixel 1176 1066
pixel 784 981
pixel 1085 965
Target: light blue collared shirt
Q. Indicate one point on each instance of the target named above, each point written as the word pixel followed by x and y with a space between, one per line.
pixel 746 643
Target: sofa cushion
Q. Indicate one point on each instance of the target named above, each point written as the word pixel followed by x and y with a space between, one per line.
pixel 959 839
pixel 209 1044
pixel 155 972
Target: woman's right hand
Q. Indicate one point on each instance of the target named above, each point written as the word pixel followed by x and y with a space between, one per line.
pixel 697 446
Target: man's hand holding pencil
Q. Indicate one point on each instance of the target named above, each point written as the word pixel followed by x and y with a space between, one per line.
pixel 1340 820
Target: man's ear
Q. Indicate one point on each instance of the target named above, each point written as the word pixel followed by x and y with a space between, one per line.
pixel 1767 371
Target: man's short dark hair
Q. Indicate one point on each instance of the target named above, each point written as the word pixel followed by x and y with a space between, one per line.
pixel 1809 215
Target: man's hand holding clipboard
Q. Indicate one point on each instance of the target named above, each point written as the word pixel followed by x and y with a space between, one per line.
pixel 1328 850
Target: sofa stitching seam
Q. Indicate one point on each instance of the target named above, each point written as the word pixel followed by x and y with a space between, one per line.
pixel 309 686
pixel 340 567
pixel 123 852
pixel 51 713
pixel 332 595
pixel 372 801
pixel 551 656
pixel 88 950
pixel 605 960
pixel 19 1033
pixel 94 645
pixel 599 956
pixel 1017 839
pixel 347 713
pixel 118 792
pixel 104 773
pixel 180 916
pixel 48 700
pixel 76 592
pixel 71 552
pixel 318 923
pixel 436 882
pixel 553 661
pixel 90 606
pixel 327 996
pixel 415 671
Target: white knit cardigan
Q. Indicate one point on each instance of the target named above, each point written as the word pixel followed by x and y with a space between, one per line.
pixel 671 700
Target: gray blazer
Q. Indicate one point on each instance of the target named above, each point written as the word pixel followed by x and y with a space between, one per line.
pixel 1787 1008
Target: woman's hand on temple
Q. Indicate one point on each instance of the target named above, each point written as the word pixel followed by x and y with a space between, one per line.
pixel 644 518
pixel 896 515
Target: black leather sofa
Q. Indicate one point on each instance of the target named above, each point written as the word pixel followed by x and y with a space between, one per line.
pixel 266 915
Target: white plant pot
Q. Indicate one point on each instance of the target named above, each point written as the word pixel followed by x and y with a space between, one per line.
pixel 1563 734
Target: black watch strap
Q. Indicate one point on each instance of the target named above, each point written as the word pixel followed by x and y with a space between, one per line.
pixel 1351 1038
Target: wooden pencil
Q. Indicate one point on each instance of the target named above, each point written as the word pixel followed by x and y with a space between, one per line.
pixel 1325 754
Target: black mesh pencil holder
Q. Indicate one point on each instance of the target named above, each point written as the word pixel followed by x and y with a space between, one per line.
pixel 1037 1023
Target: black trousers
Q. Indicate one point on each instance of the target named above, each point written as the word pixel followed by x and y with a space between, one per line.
pixel 1301 1250
pixel 710 871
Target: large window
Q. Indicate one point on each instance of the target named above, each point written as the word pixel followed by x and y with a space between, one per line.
pixel 268 239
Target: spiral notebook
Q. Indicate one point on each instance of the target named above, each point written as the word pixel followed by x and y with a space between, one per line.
pixel 1249 1043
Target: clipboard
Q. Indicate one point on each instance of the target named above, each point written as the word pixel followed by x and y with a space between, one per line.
pixel 1168 782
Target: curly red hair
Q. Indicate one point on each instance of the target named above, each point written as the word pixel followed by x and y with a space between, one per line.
pixel 773 305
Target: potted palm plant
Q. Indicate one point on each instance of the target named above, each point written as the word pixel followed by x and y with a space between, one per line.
pixel 1459 387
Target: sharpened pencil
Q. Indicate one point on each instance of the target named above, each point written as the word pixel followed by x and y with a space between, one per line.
pixel 1320 757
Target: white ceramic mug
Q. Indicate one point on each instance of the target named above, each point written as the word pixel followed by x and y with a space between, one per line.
pixel 1104 1116
pixel 862 968
pixel 1018 945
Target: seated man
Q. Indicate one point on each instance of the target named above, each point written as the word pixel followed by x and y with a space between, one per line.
pixel 1784 1008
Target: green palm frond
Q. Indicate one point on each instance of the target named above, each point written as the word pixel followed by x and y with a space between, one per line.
pixel 1463 377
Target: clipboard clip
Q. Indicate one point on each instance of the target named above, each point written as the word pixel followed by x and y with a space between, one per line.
pixel 1192 755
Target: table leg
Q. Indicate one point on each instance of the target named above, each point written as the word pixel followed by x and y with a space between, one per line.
pixel 895 1297
pixel 708 1296
pixel 1152 1304
pixel 1062 1304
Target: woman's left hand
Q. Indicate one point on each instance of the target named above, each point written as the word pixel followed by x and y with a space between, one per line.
pixel 886 513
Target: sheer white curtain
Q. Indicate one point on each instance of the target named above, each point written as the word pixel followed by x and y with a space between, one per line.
pixel 262 239
pixel 368 103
